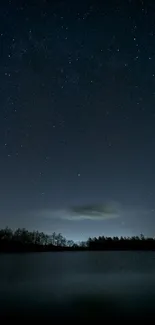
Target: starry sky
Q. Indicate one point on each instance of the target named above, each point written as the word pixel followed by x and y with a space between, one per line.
pixel 77 117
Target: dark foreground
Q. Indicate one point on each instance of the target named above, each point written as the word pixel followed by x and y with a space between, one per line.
pixel 90 286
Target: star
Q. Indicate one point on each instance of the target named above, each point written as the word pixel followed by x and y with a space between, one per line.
pixel 77 117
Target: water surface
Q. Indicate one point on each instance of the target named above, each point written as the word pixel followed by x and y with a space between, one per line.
pixel 78 285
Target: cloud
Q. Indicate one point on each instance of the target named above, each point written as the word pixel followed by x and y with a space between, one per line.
pixel 93 212
pixel 81 212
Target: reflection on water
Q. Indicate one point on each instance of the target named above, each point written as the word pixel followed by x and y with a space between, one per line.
pixel 84 285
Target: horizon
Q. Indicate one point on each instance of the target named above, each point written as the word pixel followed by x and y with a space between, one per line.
pixel 76 241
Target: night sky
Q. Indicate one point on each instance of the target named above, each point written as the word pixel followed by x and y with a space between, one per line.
pixel 77 117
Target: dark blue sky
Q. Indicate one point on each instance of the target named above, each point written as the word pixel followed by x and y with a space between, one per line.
pixel 77 116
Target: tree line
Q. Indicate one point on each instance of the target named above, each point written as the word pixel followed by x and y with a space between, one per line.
pixel 22 240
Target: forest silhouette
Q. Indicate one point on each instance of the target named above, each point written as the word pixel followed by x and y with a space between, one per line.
pixel 22 240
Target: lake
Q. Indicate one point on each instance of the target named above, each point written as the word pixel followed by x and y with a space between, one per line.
pixel 78 285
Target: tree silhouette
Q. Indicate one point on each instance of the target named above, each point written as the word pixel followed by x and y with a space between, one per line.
pixel 23 240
